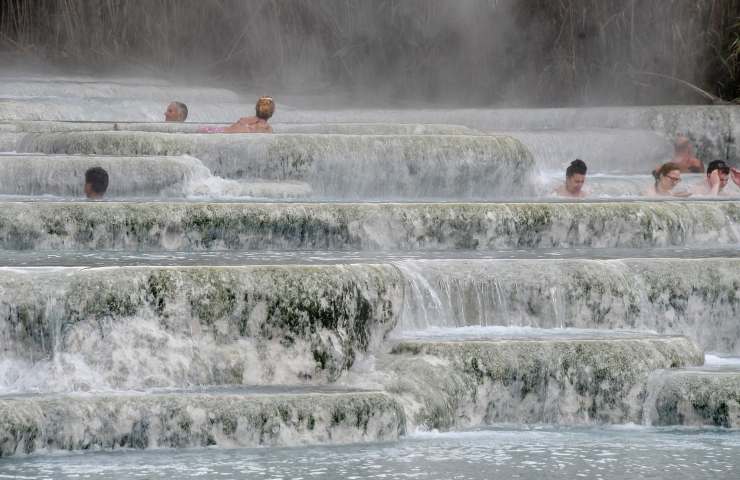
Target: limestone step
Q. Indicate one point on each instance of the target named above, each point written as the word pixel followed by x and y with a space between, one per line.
pixel 696 397
pixel 712 127
pixel 138 327
pixel 112 90
pixel 699 297
pixel 131 178
pixel 566 380
pixel 227 418
pixel 101 109
pixel 380 128
pixel 326 314
pixel 365 226
pixel 336 166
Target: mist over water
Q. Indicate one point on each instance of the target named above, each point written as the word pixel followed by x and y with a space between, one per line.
pixel 385 286
pixel 400 53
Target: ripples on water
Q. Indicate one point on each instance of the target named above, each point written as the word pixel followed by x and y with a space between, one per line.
pixel 102 258
pixel 505 452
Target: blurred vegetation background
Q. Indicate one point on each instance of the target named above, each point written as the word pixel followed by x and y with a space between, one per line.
pixel 469 52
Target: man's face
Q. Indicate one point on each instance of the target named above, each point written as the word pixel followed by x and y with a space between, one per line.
pixel 264 108
pixel 574 183
pixel 172 114
pixel 89 192
pixel 724 177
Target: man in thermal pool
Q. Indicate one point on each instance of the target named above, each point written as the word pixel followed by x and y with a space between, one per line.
pixel 264 109
pixel 176 112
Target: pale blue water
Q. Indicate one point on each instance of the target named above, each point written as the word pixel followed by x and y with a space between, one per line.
pixel 102 258
pixel 498 453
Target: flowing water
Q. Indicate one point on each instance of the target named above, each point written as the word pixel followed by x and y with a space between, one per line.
pixel 363 294
pixel 506 452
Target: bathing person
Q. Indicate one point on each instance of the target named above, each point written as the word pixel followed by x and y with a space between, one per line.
pixel 176 112
pixel 718 175
pixel 575 177
pixel 264 109
pixel 96 183
pixel 666 179
pixel 683 156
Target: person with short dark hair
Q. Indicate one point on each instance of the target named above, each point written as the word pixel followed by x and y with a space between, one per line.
pixel 667 177
pixel 96 183
pixel 718 176
pixel 176 112
pixel 575 178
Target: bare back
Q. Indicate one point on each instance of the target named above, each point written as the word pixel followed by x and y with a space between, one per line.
pixel 249 125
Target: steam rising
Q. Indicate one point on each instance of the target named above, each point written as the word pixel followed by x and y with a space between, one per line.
pixel 472 52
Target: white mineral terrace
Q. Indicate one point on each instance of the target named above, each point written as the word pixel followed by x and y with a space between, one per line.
pixel 363 293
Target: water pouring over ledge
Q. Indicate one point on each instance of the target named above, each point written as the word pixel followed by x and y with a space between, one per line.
pixel 98 345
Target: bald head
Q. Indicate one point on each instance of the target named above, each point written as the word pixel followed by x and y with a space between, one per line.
pixel 176 112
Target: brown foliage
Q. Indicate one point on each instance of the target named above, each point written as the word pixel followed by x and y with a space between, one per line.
pixel 530 52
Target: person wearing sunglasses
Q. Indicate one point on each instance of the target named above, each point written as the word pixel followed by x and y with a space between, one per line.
pixel 667 178
pixel 718 176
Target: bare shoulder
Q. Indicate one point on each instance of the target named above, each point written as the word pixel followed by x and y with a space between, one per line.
pixel 248 120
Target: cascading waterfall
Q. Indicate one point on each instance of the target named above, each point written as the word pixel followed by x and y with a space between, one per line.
pixel 341 166
pixel 153 177
pixel 693 297
pixel 432 298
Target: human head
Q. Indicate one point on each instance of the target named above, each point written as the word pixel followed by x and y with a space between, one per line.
pixel 265 107
pixel 667 176
pixel 176 112
pixel 96 182
pixel 575 176
pixel 723 171
pixel 682 147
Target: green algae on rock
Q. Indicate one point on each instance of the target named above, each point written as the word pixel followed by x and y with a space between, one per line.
pixel 140 327
pixel 369 226
pixel 699 298
pixel 192 419
pixel 697 398
pixel 450 385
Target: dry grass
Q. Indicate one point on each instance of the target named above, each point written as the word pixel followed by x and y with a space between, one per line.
pixel 539 52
